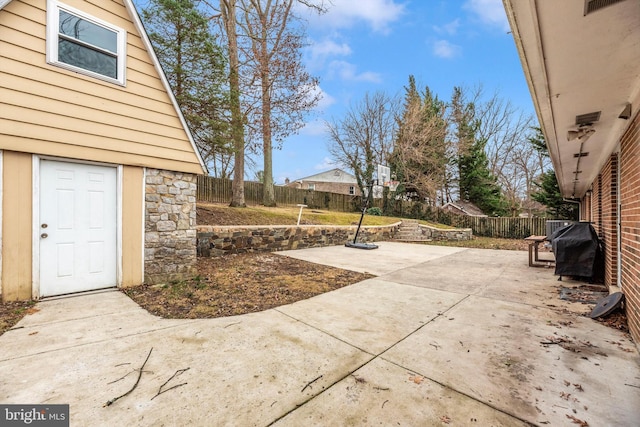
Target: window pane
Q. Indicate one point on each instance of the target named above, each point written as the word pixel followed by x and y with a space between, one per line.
pixel 88 32
pixel 89 59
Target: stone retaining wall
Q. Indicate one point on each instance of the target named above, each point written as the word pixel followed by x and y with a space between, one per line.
pixel 456 234
pixel 170 226
pixel 219 240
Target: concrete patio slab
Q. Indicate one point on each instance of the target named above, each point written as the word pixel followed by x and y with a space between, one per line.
pixel 459 336
pixel 498 274
pixel 528 361
pixel 244 370
pixel 382 393
pixel 372 315
pixel 390 256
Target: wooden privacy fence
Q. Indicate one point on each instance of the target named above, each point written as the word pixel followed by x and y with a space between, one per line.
pixel 218 190
pixel 510 228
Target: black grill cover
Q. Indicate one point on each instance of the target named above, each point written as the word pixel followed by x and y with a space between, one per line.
pixel 577 251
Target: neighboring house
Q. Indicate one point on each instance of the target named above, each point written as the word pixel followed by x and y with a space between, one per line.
pixel 97 167
pixel 463 208
pixel 581 59
pixel 333 181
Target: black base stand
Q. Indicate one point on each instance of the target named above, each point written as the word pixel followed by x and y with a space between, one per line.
pixel 355 238
pixel 361 245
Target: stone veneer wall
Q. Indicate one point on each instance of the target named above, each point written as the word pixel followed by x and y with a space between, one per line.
pixel 170 226
pixel 222 240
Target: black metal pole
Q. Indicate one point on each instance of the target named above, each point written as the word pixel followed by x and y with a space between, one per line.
pixel 364 209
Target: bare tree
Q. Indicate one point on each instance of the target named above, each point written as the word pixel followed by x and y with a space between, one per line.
pixel 364 137
pixel 512 158
pixel 279 91
pixel 419 156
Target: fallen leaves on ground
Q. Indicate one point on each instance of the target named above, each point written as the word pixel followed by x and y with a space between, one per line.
pixel 418 379
pixel 578 421
pixel 11 313
pixel 242 283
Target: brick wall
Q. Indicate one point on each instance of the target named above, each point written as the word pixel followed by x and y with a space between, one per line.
pixel 630 217
pixel 605 216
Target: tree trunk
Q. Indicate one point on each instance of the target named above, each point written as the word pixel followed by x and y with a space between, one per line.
pixel 268 198
pixel 228 8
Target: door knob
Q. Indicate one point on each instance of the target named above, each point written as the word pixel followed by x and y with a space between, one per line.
pixel 44 226
pixel 44 235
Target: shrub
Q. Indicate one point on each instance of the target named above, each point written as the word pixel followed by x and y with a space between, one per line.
pixel 374 211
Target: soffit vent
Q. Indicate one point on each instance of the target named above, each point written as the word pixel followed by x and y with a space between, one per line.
pixel 591 6
pixel 587 119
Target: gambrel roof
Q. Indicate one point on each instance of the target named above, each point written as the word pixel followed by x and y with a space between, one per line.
pixel 137 23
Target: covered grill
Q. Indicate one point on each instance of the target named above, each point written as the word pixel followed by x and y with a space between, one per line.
pixel 577 251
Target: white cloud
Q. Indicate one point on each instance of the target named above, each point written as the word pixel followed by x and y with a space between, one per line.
pixel 378 14
pixel 445 49
pixel 326 100
pixel 449 28
pixel 490 12
pixel 348 72
pixel 314 128
pixel 320 50
pixel 326 164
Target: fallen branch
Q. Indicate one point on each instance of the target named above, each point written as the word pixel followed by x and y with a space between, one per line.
pixel 121 378
pixel 178 372
pixel 384 402
pixel 631 385
pixel 309 383
pixel 112 401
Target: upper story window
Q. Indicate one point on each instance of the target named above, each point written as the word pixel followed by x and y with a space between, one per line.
pixel 79 42
pixel 311 187
pixel 352 190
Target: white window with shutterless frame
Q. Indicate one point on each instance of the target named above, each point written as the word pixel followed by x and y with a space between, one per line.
pixel 85 44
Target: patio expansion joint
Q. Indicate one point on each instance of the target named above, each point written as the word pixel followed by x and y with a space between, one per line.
pixel 381 357
pixel 369 360
pixel 73 319
pixel 88 343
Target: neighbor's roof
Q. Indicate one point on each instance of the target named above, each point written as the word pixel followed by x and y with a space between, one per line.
pixel 467 208
pixel 135 18
pixel 333 175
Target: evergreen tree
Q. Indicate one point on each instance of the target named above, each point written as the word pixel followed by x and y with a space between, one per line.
pixel 476 183
pixel 194 66
pixel 548 189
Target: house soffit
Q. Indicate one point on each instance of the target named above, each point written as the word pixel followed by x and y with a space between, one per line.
pixel 577 64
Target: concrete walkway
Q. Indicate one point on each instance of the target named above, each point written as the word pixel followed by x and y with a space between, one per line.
pixel 441 336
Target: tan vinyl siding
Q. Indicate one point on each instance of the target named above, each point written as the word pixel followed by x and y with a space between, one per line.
pixel 48 110
pixel 132 226
pixel 16 226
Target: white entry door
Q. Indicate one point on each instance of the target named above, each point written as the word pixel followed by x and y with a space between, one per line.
pixel 78 227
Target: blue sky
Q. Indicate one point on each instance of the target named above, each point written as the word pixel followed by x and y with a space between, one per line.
pixel 374 45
